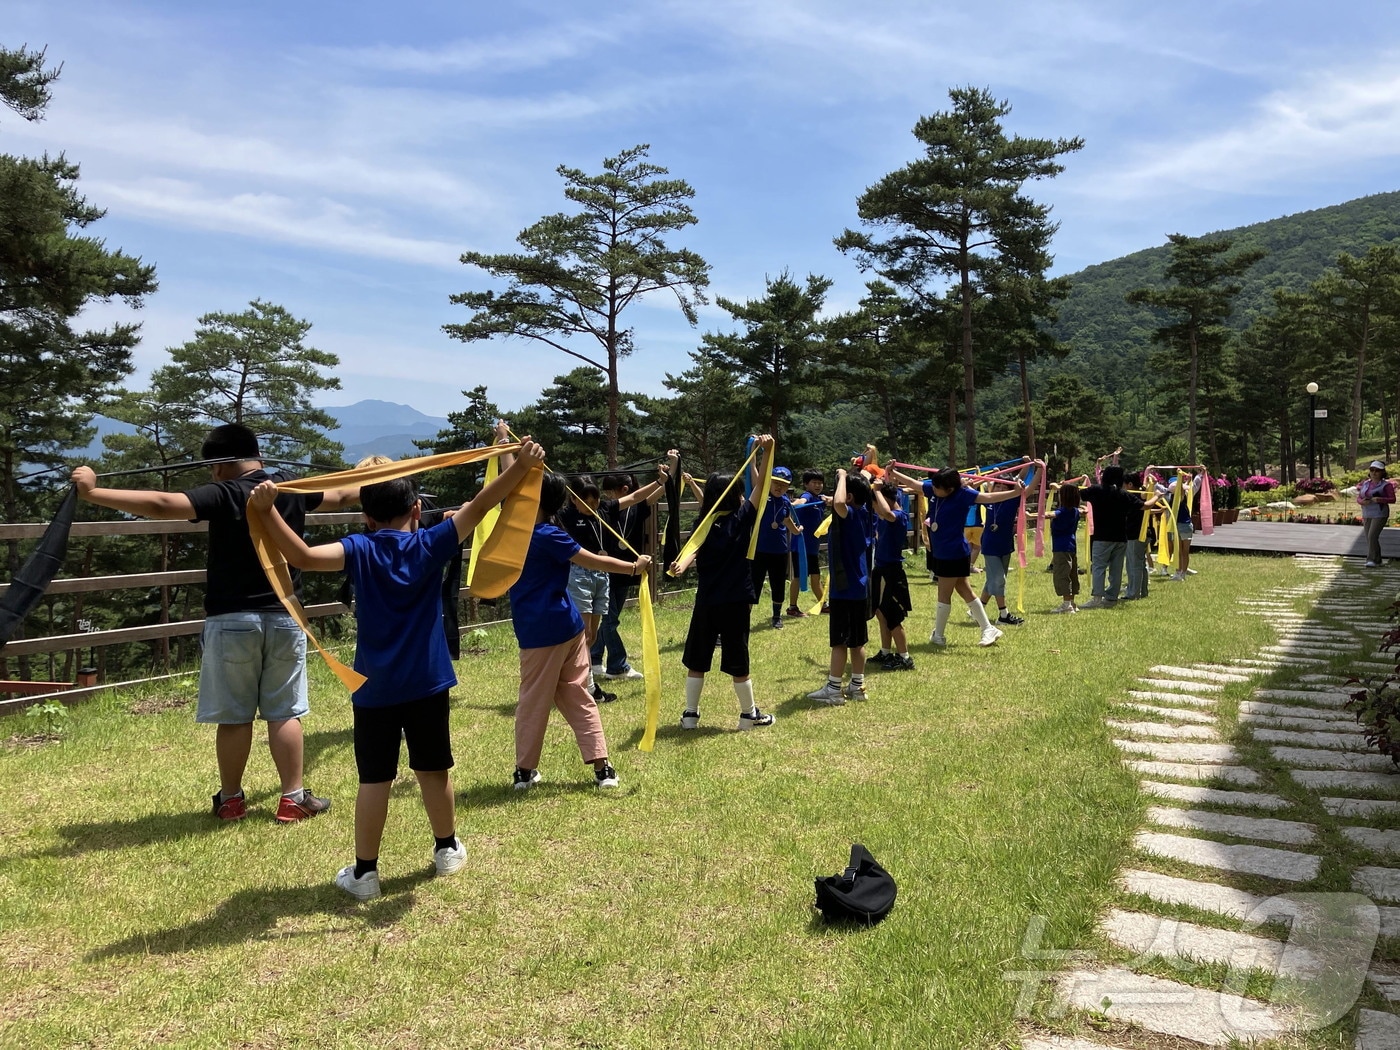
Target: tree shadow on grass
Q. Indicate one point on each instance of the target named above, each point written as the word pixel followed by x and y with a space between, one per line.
pixel 316 744
pixel 481 796
pixel 253 915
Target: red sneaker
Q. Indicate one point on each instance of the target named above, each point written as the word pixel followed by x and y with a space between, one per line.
pixel 235 808
pixel 305 805
pixel 794 613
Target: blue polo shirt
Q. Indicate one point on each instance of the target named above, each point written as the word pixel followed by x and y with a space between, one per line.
pixel 948 516
pixel 891 537
pixel 1063 526
pixel 855 533
pixel 772 528
pixel 541 610
pixel 999 532
pixel 399 643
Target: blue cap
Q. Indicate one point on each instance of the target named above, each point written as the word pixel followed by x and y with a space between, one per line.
pixel 782 474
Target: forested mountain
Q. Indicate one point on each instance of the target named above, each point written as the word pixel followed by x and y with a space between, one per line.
pixel 1110 337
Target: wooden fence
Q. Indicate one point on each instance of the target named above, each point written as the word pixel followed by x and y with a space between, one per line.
pixel 35 692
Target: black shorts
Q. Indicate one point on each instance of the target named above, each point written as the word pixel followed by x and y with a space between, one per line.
pixel 953 568
pixel 890 593
pixel 848 622
pixel 728 624
pixel 421 723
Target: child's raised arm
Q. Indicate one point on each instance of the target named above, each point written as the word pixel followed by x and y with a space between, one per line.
pixel 759 471
pixel 838 500
pixel 882 507
pixel 469 516
pixel 1004 494
pixel 325 557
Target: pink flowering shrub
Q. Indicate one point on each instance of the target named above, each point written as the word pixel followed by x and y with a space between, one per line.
pixel 1258 483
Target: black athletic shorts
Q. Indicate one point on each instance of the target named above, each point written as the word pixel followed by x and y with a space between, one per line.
pixel 422 724
pixel 814 563
pixel 727 623
pixel 890 593
pixel 952 568
pixel 848 622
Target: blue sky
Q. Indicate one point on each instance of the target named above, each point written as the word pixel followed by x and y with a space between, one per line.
pixel 338 157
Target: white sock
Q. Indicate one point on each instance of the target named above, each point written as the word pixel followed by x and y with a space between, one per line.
pixel 904 655
pixel 591 683
pixel 978 613
pixel 940 617
pixel 693 686
pixel 744 691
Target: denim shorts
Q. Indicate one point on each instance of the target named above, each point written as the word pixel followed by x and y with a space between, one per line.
pixel 997 566
pixel 1184 530
pixel 589 590
pixel 254 665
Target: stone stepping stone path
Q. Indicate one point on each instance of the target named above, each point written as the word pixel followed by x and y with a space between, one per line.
pixel 1171 1008
pixel 1215 796
pixel 1169 684
pixel 1191 672
pixel 1241 775
pixel 1222 753
pixel 1167 732
pixel 1213 814
pixel 1171 698
pixel 1265 829
pixel 1178 714
pixel 1337 741
pixel 1285 865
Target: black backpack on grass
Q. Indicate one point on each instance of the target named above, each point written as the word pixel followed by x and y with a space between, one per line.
pixel 864 893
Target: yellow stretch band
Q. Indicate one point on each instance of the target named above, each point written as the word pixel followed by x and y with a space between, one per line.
pixel 768 466
pixel 487 523
pixel 826 590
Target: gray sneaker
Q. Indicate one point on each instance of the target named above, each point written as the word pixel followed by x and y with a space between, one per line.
pixel 828 694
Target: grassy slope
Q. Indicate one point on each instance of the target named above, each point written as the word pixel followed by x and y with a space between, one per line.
pixel 675 912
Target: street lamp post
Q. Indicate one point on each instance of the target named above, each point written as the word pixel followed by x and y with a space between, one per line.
pixel 1312 430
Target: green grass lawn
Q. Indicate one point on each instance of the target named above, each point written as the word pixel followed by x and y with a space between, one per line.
pixel 673 912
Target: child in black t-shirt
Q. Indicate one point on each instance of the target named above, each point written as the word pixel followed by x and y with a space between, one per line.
pixel 725 592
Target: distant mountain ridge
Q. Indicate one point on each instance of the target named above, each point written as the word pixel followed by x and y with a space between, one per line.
pixel 381 428
pixel 366 428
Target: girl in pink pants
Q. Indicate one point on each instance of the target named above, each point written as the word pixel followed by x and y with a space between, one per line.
pixel 553 654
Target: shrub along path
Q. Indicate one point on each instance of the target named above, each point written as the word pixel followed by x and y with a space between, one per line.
pixel 1262 785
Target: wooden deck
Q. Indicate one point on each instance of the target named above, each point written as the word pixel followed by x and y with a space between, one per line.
pixel 1276 537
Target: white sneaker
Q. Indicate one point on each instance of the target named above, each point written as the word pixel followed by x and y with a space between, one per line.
pixel 990 636
pixel 365 888
pixel 450 859
pixel 1094 603
pixel 937 639
pixel 1370 565
pixel 828 694
pixel 629 675
pixel 690 719
pixel 756 720
pixel 1064 607
pixel 596 670
pixel 1176 577
pixel 1190 572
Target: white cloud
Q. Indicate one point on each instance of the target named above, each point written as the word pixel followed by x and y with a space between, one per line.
pixel 520 51
pixel 1328 122
pixel 310 222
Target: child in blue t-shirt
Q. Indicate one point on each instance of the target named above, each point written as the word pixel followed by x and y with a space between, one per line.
pixel 998 544
pixel 889 584
pixel 848 546
pixel 949 501
pixel 400 647
pixel 1064 547
pixel 808 510
pixel 724 593
pixel 554 662
pixel 774 545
